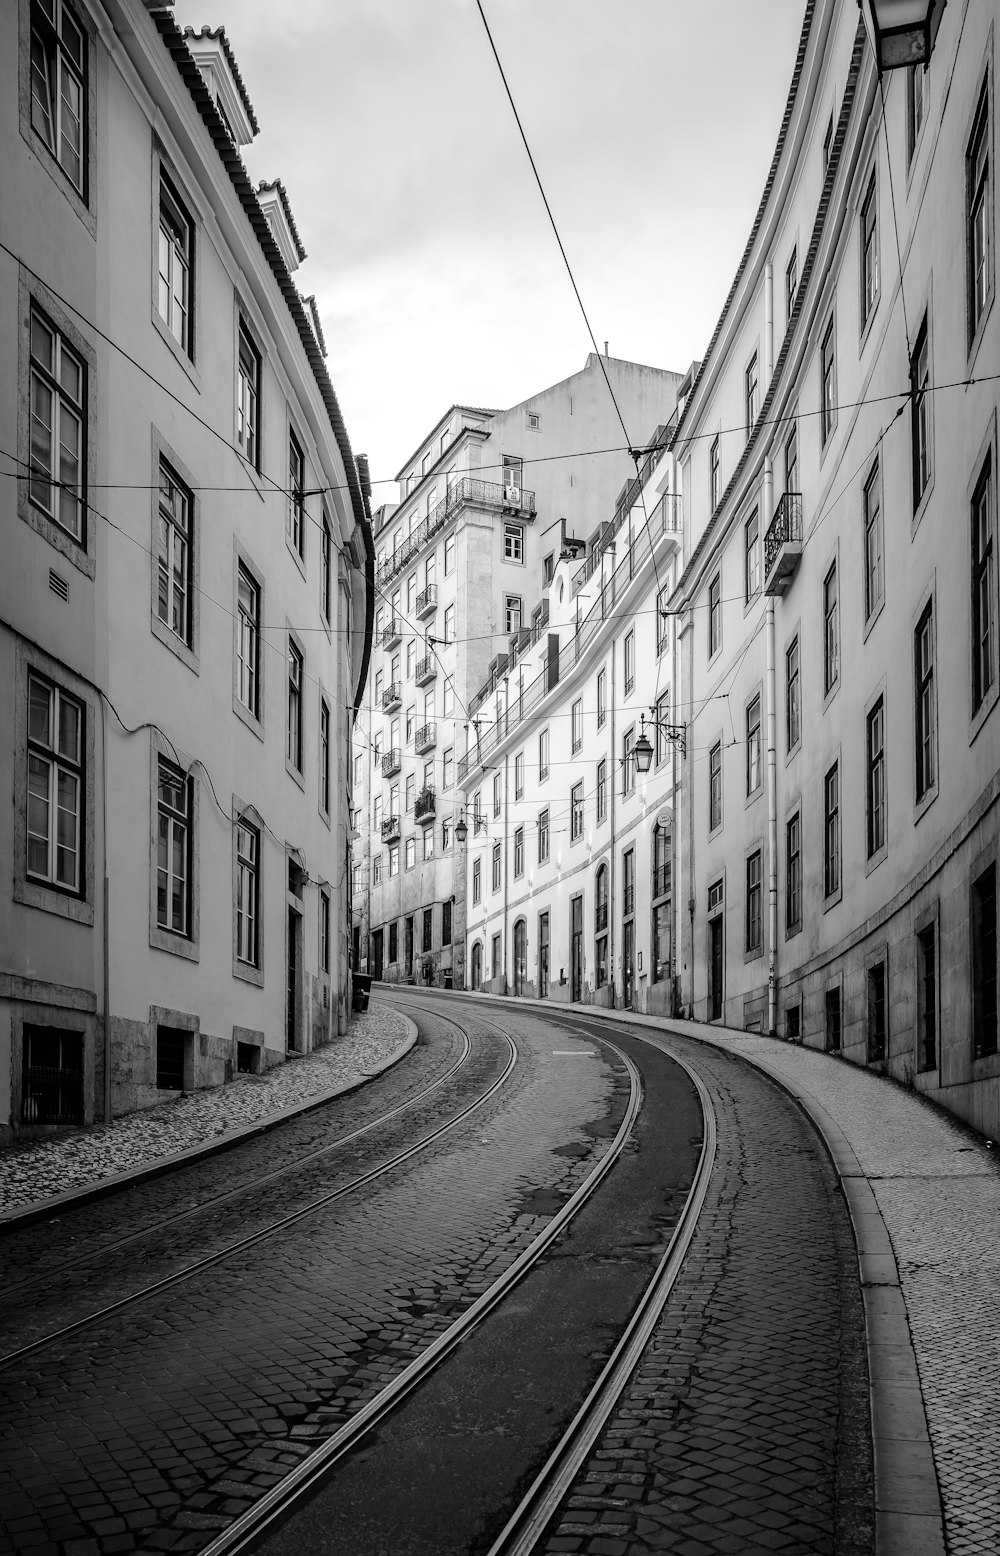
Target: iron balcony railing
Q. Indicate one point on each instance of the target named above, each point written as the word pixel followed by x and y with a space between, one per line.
pixel 601 916
pixel 425 737
pixel 628 900
pixel 661 880
pixel 392 695
pixel 391 762
pixel 390 829
pixel 424 806
pixel 392 632
pixel 426 670
pixel 783 544
pixel 467 489
pixel 427 601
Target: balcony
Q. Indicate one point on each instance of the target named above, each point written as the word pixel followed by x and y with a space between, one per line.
pixel 427 602
pixel 783 544
pixel 391 762
pixel 601 917
pixel 390 829
pixel 425 739
pixel 427 669
pixel 423 809
pixel 392 632
pixel 392 696
pixel 661 880
pixel 628 900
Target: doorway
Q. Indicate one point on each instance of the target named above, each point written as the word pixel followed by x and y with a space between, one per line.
pixel 543 956
pixel 576 949
pixel 628 963
pixel 377 954
pixel 715 968
pixel 292 992
pixel 520 954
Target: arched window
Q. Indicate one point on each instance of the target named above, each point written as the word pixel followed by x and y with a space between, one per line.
pixel 477 965
pixel 601 927
pixel 520 955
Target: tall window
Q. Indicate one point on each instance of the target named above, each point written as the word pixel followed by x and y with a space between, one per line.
pixel 715 615
pixel 173 852
pixel 984 622
pixel 628 764
pixel 449 624
pixel 324 755
pixel 751 389
pixel 791 283
pixel 831 831
pixel 176 263
pixel 876 1013
pixel 449 554
pixel 793 695
pixel 174 555
pixel 754 765
pixel 55 786
pixel 512 613
pixel 477 880
pixel 602 788
pixel 59 85
pixel 662 621
pixel 410 854
pixel 925 711
pixel 393 865
pixel 248 642
pixel 248 398
pixel 869 252
pixel 874 561
pixel 926 999
pixel 496 867
pixel 875 766
pixel 979 219
pixel 831 630
pixel 661 715
pixel 576 811
pixel 602 697
pixel 828 384
pixel 294 746
pixel 58 409
pixel 629 661
pixel 519 775
pixel 984 963
pixel 916 89
pixel 543 835
pixel 295 521
pixel 715 787
pixel 920 441
pixel 247 894
pixel 793 873
pixel 754 928
pixel 513 542
pixel 751 555
pixel 713 475
pixel 576 722
pixel 446 923
pixel 448 696
pixel 497 793
pixel 518 851
pixel 326 570
pixel 792 459
pixel 324 931
pixel 543 756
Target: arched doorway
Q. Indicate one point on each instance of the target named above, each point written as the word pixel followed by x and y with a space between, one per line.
pixel 477 965
pixel 520 955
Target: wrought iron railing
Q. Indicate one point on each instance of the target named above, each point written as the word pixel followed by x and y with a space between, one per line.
pixel 424 806
pixel 426 668
pixel 784 527
pixel 426 736
pixel 661 880
pixel 391 761
pixel 391 694
pixel 601 916
pixel 490 494
pixel 390 829
pixel 628 900
pixel 392 630
pixel 427 600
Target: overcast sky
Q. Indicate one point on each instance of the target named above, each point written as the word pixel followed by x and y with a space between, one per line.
pixel 652 123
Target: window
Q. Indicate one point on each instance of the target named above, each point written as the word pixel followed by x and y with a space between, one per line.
pixel 629 662
pixel 448 767
pixel 377 870
pixel 51 1075
pixel 448 696
pixel 477 880
pixel 543 835
pixel 173 851
pixel 411 853
pixel 427 929
pixel 576 812
pixel 869 252
pixel 876 1013
pixel 449 554
pixel 661 716
pixel 58 410
pixel 446 923
pixel 293 749
pixel 543 756
pixel 751 556
pixel 176 266
pixel 832 1015
pixel 791 283
pixel 602 789
pixel 984 963
pixel 295 513
pixel 497 957
pixel 920 414
pixel 518 851
pixel 513 542
pixel 793 695
pixel 713 475
pixel 926 999
pixel 793 874
pixel 326 570
pixel 497 794
pixel 602 697
pixel 754 929
pixel 59 86
pixel 828 384
pixel 512 612
pixel 915 104
pixel 519 776
pixel 324 756
pixel 174 555
pixel 247 894
pixel 576 723
pixel 828 144
pixel 662 622
pixel 248 641
pixel 754 765
pixel 324 931
pixel 875 767
pixel 359 770
pixel 831 630
pixel 925 710
pixel 874 563
pixel 628 763
pixel 248 398
pixel 548 568
pixel 496 866
pixel 55 787
pixel 979 217
pixel 411 593
pixel 984 624
pixel 792 459
pixel 715 787
pixel 751 391
pixel 411 789
pixel 715 615
pixel 393 866
pixel 831 831
pixel 449 624
pixel 393 942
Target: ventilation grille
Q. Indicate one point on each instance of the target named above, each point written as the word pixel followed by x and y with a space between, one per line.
pixel 58 585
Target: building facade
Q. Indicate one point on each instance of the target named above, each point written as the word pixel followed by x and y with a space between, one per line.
pixel 183 601
pixel 840 596
pixel 486 504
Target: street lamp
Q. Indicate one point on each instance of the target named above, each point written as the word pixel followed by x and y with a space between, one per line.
pixel 904 31
pixel 461 828
pixel 642 751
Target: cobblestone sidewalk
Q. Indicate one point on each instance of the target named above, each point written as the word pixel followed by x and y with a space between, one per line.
pixel 40 1169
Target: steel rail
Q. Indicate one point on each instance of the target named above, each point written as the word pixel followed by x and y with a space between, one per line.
pixel 535 1511
pixel 275 1504
pixel 213 1202
pixel 198 1266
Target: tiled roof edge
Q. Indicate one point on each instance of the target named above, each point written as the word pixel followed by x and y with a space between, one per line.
pixel 265 188
pixel 220 34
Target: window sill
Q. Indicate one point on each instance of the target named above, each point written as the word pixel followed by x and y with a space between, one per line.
pixel 296 776
pixel 873 618
pixel 246 973
pixel 984 710
pixel 924 803
pixel 80 557
pixel 174 945
pixel 35 894
pixel 176 350
pixel 295 555
pixel 175 644
pixel 873 862
pixel 754 796
pixel 834 898
pixel 254 724
pixel 793 751
pixel 831 694
pixel 755 955
pixel 921 507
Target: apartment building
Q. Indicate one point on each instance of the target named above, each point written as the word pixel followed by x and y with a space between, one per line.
pixel 184 617
pixel 839 640
pixel 570 840
pixel 486 503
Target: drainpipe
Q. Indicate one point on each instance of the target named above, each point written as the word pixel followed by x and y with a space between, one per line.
pixel 772 782
pixel 613 777
pixel 107 926
pixel 506 808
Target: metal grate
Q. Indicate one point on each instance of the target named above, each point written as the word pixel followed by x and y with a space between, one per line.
pixel 170 1058
pixel 51 1076
pixel 58 585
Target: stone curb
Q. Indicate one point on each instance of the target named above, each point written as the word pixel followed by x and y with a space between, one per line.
pixel 909 1520
pixel 44 1208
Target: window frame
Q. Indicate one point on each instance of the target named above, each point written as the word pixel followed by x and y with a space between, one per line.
pixel 602 696
pixel 33 20
pixel 518 852
pixel 751 392
pixel 921 417
pixel 247 633
pixel 979 198
pixel 77 544
pixel 176 228
pixel 873 545
pixel 186 647
pixel 869 282
pixel 714 456
pixel 576 812
pixel 325 736
pixel 793 695
pixel 249 387
pixel 715 788
pixel 831 629
pixel 793 873
pixel 496 866
pixel 543 834
pixel 295 674
pixel 513 543
pixel 876 790
pixel 248 869
pixel 925 753
pixel 833 877
pixel 628 658
pixel 984 613
pixel 576 725
pixel 754 765
pixel 828 383
pixel 602 789
pixel 164 937
pixel 714 616
pixel 295 507
pixel 753 903
pixel 751 556
pixel 513 607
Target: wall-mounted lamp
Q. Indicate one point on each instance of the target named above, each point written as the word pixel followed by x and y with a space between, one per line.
pixel 903 31
pixel 642 751
pixel 461 828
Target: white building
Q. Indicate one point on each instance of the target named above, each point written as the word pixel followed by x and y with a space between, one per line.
pixel 183 612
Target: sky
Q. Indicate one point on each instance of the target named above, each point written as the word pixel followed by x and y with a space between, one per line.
pixel 437 274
